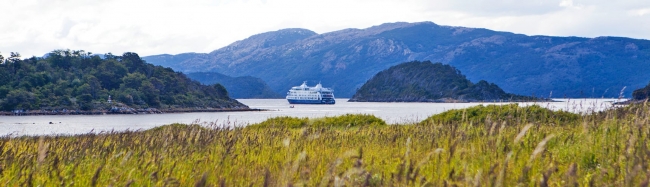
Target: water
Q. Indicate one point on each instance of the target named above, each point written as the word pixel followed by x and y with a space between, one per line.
pixel 392 113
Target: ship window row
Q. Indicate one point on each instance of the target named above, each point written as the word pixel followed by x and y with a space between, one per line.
pixel 303 94
pixel 297 89
pixel 308 98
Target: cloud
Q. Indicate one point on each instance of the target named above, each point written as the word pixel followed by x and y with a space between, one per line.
pixel 640 12
pixel 559 18
pixel 491 8
pixel 566 3
pixel 148 27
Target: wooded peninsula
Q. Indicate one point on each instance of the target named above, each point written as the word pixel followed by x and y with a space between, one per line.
pixel 79 82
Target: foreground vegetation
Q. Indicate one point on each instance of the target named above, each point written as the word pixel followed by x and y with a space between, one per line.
pixel 479 146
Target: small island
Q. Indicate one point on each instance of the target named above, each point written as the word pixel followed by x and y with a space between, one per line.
pixel 429 82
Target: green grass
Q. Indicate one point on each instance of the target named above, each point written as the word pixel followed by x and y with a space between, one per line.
pixel 485 146
pixel 511 113
pixel 343 121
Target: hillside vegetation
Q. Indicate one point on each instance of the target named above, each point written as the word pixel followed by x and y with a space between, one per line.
pixel 246 87
pixel 346 59
pixel 67 80
pixel 510 113
pixel 479 146
pixel 428 82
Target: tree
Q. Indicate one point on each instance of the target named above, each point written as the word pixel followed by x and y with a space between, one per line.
pixel 85 101
pixel 110 73
pixel 132 80
pixel 60 59
pixel 150 93
pixel 133 62
pixel 93 83
pixel 220 90
pixel 15 57
pixel 19 99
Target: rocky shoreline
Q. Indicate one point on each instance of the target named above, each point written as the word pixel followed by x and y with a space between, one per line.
pixel 120 111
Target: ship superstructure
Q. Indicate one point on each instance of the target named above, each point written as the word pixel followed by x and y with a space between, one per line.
pixel 304 94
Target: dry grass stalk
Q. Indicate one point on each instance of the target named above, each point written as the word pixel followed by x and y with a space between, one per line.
pixel 540 148
pixel 522 133
pixel 42 150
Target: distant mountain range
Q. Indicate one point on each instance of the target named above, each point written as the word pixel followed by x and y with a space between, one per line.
pixel 238 87
pixel 429 82
pixel 345 59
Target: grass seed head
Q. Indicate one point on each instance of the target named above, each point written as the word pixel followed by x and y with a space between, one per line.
pixel 522 133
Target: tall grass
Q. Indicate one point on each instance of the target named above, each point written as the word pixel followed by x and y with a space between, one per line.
pixel 480 146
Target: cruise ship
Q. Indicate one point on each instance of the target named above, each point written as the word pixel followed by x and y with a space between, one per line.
pixel 304 94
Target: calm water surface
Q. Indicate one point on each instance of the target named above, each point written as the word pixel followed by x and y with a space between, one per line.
pixel 392 113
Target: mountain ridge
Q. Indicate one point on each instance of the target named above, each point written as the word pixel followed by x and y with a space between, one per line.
pixel 520 64
pixel 245 87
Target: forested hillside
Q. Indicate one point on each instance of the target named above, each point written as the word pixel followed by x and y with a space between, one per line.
pixel 429 82
pixel 79 81
pixel 238 87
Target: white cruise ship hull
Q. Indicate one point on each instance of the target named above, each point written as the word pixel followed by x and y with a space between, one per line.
pixel 324 101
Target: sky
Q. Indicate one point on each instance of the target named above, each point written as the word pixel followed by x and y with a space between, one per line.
pixel 150 27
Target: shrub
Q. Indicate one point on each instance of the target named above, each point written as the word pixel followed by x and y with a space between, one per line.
pixel 289 122
pixel 507 113
pixel 176 127
pixel 349 120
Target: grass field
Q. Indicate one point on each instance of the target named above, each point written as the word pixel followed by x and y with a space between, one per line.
pixel 479 146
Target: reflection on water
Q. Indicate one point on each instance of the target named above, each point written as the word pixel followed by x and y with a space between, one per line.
pixel 392 113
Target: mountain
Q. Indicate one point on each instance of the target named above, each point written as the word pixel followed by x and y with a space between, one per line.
pixel 78 81
pixel 428 82
pixel 238 87
pixel 520 64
